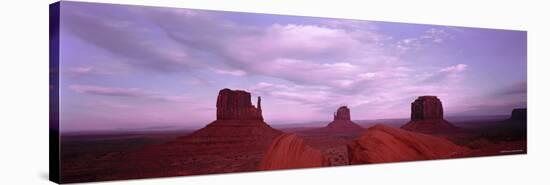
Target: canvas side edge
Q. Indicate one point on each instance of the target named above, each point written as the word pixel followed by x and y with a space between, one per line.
pixel 54 148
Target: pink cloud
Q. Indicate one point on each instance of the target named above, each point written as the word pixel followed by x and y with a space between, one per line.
pixel 289 42
pixel 107 91
pixel 447 74
pixel 230 72
pixel 77 71
pixel 309 39
pixel 430 37
pixel 455 69
pixel 126 92
pixel 328 54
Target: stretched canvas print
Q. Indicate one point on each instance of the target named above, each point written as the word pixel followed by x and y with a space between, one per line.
pixel 142 92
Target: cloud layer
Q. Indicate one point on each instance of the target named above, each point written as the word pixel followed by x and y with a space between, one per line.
pixel 303 67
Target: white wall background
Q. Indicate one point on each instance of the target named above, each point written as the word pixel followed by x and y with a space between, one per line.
pixel 24 91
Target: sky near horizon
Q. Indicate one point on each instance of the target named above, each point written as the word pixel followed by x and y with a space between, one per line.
pixel 136 67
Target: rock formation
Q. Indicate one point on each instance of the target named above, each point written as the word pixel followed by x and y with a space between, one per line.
pixel 381 144
pixel 342 122
pixel 290 151
pixel 236 141
pixel 427 116
pixel 237 120
pixel 342 113
pixel 426 108
pixel 519 114
pixel 236 105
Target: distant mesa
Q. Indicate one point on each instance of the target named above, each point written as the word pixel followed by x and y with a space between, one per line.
pixel 382 143
pixel 236 105
pixel 519 114
pixel 290 151
pixel 427 116
pixel 342 121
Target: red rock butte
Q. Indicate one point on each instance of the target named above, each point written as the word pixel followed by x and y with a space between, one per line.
pixel 427 116
pixel 426 108
pixel 342 121
pixel 236 141
pixel 236 105
pixel 237 119
pixel 342 113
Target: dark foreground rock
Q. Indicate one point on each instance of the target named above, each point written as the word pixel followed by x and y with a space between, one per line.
pixel 519 114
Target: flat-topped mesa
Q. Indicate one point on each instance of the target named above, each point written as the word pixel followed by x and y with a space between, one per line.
pixel 342 122
pixel 342 113
pixel 235 141
pixel 426 108
pixel 427 116
pixel 236 105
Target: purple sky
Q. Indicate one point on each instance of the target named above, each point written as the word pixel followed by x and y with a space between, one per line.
pixel 134 67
